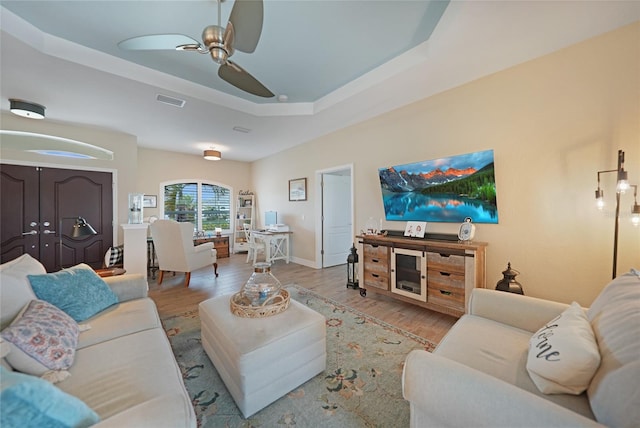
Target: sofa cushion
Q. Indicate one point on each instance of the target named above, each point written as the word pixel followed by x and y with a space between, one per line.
pixel 43 338
pixel 615 319
pixel 15 290
pixel 78 291
pixel 501 351
pixel 120 320
pixel 28 401
pixel 127 372
pixel 563 354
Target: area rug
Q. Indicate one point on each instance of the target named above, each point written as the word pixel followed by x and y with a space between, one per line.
pixel 361 386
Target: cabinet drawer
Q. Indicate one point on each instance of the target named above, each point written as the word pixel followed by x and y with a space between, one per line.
pixel 377 265
pixel 377 280
pixel 447 279
pixel 445 262
pixel 451 297
pixel 376 252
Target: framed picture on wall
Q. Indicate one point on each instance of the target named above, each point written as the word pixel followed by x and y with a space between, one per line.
pixel 298 189
pixel 150 201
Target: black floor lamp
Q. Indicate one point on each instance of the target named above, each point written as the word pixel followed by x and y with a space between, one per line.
pixel 80 228
pixel 621 187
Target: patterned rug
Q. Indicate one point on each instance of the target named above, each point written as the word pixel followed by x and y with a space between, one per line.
pixel 361 386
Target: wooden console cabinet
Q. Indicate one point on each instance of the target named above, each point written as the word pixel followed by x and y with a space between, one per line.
pixel 437 275
pixel 220 243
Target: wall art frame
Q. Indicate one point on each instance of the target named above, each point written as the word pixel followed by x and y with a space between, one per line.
pixel 150 201
pixel 298 189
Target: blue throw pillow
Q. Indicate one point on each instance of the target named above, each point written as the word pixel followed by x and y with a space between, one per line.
pixel 28 401
pixel 78 291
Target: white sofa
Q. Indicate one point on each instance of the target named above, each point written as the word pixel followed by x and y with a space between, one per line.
pixel 478 375
pixel 124 368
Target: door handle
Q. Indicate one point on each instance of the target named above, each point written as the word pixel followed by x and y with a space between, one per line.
pixel 49 232
pixel 31 232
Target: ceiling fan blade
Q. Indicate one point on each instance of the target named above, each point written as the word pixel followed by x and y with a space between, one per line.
pixel 238 77
pixel 246 17
pixel 157 42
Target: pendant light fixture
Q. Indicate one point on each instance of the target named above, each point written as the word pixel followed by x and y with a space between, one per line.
pixel 26 109
pixel 212 155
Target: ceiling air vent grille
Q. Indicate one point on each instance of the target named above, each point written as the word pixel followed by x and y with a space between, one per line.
pixel 170 100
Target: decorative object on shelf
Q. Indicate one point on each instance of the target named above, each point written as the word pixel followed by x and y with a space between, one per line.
pixel 467 230
pixel 149 201
pixel 245 193
pixel 352 268
pixel 213 155
pixel 621 187
pixel 135 208
pixel 26 109
pixel 261 296
pixel 80 228
pixel 298 189
pixel 415 229
pixel 508 282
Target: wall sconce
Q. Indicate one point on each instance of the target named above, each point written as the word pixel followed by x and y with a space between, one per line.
pixel 621 187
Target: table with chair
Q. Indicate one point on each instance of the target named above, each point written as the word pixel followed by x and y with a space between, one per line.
pixel 275 243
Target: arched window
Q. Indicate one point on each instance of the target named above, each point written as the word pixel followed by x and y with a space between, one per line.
pixel 205 204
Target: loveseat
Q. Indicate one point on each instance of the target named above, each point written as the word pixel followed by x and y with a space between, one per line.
pixel 484 372
pixel 122 371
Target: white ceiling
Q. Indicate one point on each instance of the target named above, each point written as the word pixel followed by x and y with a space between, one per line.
pixel 339 62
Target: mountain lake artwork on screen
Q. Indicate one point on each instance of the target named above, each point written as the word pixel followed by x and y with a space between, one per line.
pixel 441 190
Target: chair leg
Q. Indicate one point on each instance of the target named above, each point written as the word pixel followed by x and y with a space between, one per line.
pixel 248 255
pixel 187 278
pixel 215 268
pixel 160 277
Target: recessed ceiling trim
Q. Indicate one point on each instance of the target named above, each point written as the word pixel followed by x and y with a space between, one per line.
pixel 51 145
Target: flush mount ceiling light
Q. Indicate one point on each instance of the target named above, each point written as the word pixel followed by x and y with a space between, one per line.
pixel 212 155
pixel 26 109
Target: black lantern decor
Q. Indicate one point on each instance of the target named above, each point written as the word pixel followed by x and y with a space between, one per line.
pixel 509 283
pixel 352 268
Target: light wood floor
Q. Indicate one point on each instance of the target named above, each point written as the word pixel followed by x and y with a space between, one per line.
pixel 173 298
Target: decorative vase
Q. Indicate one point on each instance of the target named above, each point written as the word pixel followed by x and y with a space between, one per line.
pixel 261 286
pixel 135 208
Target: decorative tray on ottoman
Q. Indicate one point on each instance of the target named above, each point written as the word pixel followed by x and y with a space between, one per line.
pixel 276 304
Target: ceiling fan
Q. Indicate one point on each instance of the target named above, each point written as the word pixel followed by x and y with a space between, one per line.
pixel 242 33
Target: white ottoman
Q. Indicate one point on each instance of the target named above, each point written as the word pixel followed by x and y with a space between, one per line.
pixel 262 359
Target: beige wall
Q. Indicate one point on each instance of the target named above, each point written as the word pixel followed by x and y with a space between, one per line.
pixel 552 123
pixel 157 166
pixel 123 166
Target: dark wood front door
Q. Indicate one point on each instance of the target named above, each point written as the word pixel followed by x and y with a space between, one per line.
pixel 39 205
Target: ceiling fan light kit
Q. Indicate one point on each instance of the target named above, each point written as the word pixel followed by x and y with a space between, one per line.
pixel 242 33
pixel 212 155
pixel 26 109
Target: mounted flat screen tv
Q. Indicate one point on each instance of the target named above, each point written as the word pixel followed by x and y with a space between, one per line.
pixel 441 190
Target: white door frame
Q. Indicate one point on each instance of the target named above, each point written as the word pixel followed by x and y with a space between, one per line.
pixel 318 207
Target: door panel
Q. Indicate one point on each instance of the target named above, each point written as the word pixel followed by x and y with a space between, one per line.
pixel 51 195
pixel 19 190
pixel 336 225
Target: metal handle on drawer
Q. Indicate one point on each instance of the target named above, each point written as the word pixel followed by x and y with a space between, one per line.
pixel 375 260
pixel 375 275
pixel 446 293
pixel 444 255
pixel 445 274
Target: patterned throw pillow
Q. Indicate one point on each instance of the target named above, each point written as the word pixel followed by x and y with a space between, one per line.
pixel 78 291
pixel 42 338
pixel 114 256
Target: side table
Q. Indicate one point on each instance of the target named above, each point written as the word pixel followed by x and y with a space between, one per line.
pixel 110 272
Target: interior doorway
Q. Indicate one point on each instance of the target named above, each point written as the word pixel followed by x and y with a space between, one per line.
pixel 335 234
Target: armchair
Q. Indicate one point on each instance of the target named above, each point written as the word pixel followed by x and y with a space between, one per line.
pixel 175 251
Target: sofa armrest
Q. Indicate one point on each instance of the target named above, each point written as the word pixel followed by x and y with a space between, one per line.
pixel 452 394
pixel 128 287
pixel 516 310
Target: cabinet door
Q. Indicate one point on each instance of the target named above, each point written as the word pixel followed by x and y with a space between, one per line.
pixel 409 273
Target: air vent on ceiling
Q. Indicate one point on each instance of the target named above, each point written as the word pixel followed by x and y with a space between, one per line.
pixel 241 129
pixel 170 100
